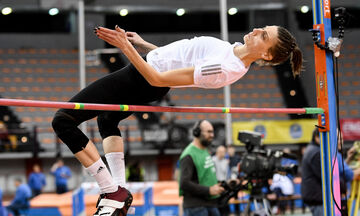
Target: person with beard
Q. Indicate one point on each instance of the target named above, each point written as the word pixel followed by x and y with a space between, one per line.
pixel 198 184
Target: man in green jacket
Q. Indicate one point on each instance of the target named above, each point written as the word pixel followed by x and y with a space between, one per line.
pixel 198 183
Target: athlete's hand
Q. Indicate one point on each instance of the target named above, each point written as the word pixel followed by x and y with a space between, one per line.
pixel 135 39
pixel 115 37
pixel 140 44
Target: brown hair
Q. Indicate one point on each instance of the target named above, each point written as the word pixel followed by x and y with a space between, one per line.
pixel 284 49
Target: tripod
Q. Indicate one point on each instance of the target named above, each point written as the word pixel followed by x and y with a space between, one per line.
pixel 261 204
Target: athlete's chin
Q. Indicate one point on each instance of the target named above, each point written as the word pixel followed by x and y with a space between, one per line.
pixel 246 39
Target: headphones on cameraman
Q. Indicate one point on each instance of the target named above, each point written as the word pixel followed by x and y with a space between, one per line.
pixel 197 130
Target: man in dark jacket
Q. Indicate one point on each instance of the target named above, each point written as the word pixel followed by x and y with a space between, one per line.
pixel 198 183
pixel 311 186
pixel 311 190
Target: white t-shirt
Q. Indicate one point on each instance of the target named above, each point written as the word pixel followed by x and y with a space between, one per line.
pixel 214 61
pixel 221 167
pixel 284 183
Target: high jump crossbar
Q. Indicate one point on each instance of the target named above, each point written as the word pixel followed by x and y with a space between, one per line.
pixel 141 108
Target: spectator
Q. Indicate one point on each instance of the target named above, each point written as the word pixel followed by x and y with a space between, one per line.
pixel 221 163
pixel 283 184
pixel 353 158
pixel 287 162
pixel 311 186
pixel 135 173
pixel 347 174
pixel 61 173
pixel 198 183
pixel 3 211
pixel 234 160
pixel 20 203
pixel 5 144
pixel 36 180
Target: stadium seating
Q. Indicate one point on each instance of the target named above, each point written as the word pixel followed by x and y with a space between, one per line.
pixel 42 74
pixel 52 74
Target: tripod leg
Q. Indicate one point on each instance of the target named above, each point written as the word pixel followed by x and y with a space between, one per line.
pixel 256 204
pixel 267 207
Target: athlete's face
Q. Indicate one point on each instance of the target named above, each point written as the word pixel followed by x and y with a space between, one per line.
pixel 260 40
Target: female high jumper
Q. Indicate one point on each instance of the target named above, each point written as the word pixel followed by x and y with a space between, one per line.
pixel 203 62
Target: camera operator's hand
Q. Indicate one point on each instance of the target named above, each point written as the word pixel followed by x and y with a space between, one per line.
pixel 216 189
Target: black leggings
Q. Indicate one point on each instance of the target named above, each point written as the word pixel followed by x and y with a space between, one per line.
pixel 125 86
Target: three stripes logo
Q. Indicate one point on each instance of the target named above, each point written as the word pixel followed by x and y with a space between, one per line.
pixel 100 169
pixel 211 69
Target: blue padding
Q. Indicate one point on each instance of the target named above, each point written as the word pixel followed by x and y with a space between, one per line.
pixel 148 205
pixel 148 197
pixel 166 210
pixel 78 203
pixel 43 212
pixel 23 211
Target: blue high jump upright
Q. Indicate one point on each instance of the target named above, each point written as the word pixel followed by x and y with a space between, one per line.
pixel 326 99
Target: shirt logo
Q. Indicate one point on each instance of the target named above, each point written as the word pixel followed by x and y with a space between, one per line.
pixel 100 169
pixel 211 69
pixel 208 162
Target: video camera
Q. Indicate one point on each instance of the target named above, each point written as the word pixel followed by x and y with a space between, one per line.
pixel 258 163
pixel 256 167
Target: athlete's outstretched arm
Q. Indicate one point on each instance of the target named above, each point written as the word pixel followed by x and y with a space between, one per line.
pixel 118 38
pixel 140 44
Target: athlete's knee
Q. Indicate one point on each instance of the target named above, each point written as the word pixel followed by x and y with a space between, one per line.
pixel 65 127
pixel 62 121
pixel 108 126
